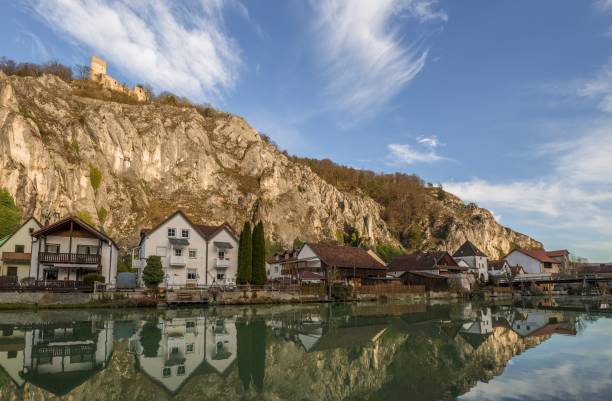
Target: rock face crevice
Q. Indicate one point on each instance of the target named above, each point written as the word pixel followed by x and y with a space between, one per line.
pixel 128 166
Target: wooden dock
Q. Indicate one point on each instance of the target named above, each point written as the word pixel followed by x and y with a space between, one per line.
pixel 187 297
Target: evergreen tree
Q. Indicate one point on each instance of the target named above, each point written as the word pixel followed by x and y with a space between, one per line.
pixel 150 336
pixel 10 217
pixel 153 274
pixel 259 255
pixel 245 259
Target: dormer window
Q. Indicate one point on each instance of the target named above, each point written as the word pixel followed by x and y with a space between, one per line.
pixel 185 233
pixel 171 232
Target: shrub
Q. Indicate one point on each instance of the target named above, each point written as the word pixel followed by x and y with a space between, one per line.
pixel 27 281
pixel 153 273
pixel 340 292
pixel 95 177
pixel 10 217
pixel 102 215
pixel 85 216
pixel 91 278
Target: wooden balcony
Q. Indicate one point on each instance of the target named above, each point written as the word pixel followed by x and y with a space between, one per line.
pixel 70 258
pixel 16 257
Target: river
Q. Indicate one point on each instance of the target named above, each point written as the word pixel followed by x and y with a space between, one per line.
pixel 457 351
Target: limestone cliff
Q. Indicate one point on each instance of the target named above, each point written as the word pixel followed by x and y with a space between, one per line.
pixel 128 165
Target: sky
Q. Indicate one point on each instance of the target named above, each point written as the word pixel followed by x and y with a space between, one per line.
pixel 504 103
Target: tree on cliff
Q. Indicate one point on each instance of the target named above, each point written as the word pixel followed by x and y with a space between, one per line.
pixel 259 255
pixel 153 274
pixel 245 255
pixel 10 217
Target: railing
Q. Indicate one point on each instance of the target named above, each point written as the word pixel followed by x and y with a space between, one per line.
pixel 71 258
pixel 224 263
pixel 58 350
pixel 16 257
pixel 8 283
pixel 177 260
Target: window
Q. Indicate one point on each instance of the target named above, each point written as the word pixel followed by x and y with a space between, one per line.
pixel 87 250
pixel 7 331
pixel 31 230
pixel 11 354
pixel 178 252
pixel 189 348
pixel 19 248
pixel 221 254
pixel 190 324
pixel 180 370
pixel 185 233
pixel 11 271
pixel 52 248
pixel 171 232
pixel 166 372
pixel 193 254
pixel 191 274
pixel 160 251
pixel 220 276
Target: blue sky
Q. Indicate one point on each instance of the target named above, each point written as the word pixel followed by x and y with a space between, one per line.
pixel 507 104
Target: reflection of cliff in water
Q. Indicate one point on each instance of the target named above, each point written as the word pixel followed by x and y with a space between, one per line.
pixel 306 353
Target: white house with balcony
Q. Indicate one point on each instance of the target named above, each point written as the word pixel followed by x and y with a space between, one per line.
pixel 69 249
pixel 192 255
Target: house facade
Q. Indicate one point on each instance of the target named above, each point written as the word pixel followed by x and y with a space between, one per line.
pixel 192 255
pixel 344 262
pixel 435 270
pixel 533 262
pixel 563 257
pixel 475 258
pixel 16 250
pixel 282 265
pixel 69 249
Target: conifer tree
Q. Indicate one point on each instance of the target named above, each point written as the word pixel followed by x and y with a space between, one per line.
pixel 245 258
pixel 259 255
pixel 152 275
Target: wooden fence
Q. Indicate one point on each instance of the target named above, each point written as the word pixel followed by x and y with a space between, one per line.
pixel 383 289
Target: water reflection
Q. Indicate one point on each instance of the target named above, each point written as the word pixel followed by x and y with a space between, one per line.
pixel 316 352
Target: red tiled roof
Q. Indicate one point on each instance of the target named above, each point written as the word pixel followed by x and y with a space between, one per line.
pixel 345 256
pixel 496 264
pixel 541 256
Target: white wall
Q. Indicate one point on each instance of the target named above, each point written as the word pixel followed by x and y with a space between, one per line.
pixel 232 254
pixel 176 275
pixel 306 256
pixel 530 265
pixel 21 237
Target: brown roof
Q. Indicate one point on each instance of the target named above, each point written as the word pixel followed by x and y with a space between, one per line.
pixel 62 222
pixel 496 264
pixel 419 261
pixel 541 256
pixel 558 253
pixel 468 249
pixel 427 275
pixel 515 270
pixel 344 256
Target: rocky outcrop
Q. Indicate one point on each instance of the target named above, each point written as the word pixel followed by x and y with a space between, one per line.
pixel 127 166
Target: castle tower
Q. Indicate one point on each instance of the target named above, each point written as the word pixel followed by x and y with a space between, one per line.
pixel 97 68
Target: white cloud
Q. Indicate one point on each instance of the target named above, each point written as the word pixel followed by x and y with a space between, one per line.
pixel 576 195
pixel 180 47
pixel 365 56
pixel 423 152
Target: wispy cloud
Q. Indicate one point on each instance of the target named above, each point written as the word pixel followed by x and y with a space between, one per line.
pixel 366 58
pixel 181 47
pixel 424 151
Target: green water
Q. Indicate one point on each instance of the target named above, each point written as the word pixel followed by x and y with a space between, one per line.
pixel 313 352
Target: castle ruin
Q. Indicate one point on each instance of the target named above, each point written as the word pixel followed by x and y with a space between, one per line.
pixel 97 73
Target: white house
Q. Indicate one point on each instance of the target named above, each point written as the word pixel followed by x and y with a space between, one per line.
pixel 499 268
pixel 69 249
pixel 192 255
pixel 533 262
pixel 16 250
pixel 475 258
pixel 221 343
pixel 282 265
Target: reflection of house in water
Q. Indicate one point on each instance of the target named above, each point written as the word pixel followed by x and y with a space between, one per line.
pixel 477 331
pixel 535 323
pixel 169 351
pixel 221 343
pixel 12 349
pixel 60 356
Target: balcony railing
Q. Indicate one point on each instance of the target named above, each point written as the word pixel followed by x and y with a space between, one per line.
pixel 16 257
pixel 177 260
pixel 70 258
pixel 222 263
